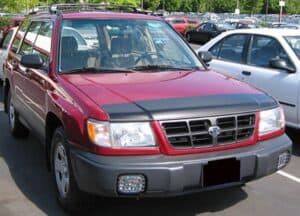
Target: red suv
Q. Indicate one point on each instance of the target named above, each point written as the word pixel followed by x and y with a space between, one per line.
pixel 125 108
pixel 182 24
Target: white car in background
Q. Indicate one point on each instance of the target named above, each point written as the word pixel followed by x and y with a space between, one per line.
pixel 6 42
pixel 268 59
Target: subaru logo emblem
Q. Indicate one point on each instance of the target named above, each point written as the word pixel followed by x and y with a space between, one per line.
pixel 214 131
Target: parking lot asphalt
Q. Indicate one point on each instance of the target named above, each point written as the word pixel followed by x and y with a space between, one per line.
pixel 26 188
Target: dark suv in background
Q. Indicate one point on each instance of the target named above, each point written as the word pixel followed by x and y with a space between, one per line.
pixel 125 108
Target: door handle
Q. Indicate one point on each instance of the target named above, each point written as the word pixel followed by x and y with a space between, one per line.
pixel 246 73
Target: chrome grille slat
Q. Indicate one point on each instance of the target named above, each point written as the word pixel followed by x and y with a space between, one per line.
pixel 193 133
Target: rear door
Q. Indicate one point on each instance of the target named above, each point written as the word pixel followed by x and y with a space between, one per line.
pixel 230 55
pixel 36 81
pixel 22 74
pixel 13 66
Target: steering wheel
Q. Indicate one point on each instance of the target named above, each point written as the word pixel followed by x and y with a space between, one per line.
pixel 145 56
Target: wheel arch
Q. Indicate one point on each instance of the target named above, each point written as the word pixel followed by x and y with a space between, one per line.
pixel 52 123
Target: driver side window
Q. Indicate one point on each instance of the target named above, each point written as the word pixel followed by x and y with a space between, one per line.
pixel 264 49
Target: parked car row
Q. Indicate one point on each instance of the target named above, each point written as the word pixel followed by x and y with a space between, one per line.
pixel 206 31
pixel 182 24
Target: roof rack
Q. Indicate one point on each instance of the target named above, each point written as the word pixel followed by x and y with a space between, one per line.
pixel 60 8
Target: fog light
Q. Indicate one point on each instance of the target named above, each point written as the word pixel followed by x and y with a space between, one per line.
pixel 131 184
pixel 283 159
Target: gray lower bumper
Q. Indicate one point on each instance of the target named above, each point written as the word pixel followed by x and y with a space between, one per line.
pixel 173 175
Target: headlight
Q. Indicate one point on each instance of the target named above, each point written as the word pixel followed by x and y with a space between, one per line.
pixel 121 135
pixel 271 121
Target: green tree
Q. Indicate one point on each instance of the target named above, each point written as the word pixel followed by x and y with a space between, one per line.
pixel 195 4
pixel 172 5
pixel 151 4
pixel 186 6
pixel 252 6
pixel 221 6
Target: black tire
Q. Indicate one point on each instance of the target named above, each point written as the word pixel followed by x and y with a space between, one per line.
pixel 72 199
pixel 17 129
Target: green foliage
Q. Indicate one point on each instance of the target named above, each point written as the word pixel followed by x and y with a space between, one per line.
pixel 221 6
pixel 172 5
pixel 151 4
pixel 5 21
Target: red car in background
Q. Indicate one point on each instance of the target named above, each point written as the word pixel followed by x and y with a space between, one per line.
pixel 15 22
pixel 181 23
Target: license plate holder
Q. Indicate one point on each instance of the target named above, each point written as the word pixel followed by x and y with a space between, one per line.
pixel 220 172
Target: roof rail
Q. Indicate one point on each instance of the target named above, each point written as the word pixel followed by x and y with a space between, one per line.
pixel 60 8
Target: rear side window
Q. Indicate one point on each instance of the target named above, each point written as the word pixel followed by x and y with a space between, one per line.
pixel 192 22
pixel 231 48
pixel 27 45
pixel 177 21
pixel 20 35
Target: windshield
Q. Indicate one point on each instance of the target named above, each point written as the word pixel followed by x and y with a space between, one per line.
pixel 224 26
pixel 294 42
pixel 123 45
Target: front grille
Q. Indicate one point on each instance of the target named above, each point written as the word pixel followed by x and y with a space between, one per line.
pixel 194 133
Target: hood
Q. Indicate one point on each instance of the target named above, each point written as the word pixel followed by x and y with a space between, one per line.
pixel 168 95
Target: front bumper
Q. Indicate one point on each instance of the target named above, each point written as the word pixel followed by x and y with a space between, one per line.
pixel 173 175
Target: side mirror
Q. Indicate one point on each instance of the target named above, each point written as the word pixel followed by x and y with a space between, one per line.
pixel 206 56
pixel 32 61
pixel 281 64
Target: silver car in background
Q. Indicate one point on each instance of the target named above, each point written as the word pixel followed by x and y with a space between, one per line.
pixel 268 59
pixel 6 42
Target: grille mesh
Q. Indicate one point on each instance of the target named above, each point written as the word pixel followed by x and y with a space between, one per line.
pixel 193 133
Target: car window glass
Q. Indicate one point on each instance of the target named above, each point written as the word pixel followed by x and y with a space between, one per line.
pixel 294 42
pixel 264 49
pixel 213 27
pixel 215 49
pixel 192 22
pixel 177 21
pixel 122 44
pixel 202 27
pixel 7 39
pixel 42 44
pixel 232 48
pixel 20 35
pixel 207 27
pixel 27 45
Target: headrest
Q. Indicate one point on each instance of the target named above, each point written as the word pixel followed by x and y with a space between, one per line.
pixel 69 44
pixel 120 45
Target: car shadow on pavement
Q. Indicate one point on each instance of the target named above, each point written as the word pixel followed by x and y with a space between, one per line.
pixel 295 137
pixel 27 167
pixel 189 205
pixel 26 164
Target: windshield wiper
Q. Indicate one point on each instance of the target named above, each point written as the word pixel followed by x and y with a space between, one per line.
pixel 96 70
pixel 160 67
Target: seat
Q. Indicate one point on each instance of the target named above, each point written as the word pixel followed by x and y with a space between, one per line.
pixel 262 56
pixel 231 55
pixel 121 49
pixel 71 57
